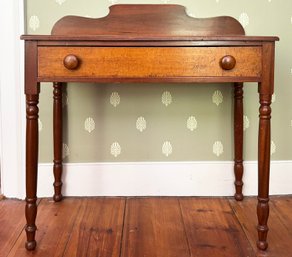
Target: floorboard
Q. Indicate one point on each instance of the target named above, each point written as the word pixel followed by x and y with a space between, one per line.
pixel 55 222
pixel 98 229
pixel 11 223
pixel 212 229
pixel 279 239
pixel 147 227
pixel 283 207
pixel 154 228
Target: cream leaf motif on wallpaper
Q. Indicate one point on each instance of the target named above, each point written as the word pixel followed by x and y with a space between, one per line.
pixel 245 122
pixel 217 97
pixel 167 148
pixel 40 125
pixel 192 123
pixel 89 124
pixel 65 151
pixel 244 19
pixel 34 22
pixel 166 98
pixel 218 148
pixel 141 124
pixel 115 99
pixel 165 1
pixel 116 149
pixel 273 147
pixel 60 2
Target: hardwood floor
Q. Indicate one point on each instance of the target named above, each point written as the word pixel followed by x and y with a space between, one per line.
pixel 147 227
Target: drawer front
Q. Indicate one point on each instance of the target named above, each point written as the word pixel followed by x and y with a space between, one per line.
pixel 147 62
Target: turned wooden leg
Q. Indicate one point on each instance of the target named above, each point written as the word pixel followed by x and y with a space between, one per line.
pixel 263 169
pixel 57 141
pixel 31 168
pixel 238 140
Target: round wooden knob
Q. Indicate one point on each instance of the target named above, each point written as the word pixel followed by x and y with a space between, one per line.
pixel 71 62
pixel 227 62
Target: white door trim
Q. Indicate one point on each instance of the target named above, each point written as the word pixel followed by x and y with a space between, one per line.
pixel 12 98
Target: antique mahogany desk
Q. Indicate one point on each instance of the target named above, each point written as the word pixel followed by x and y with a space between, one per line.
pixel 147 43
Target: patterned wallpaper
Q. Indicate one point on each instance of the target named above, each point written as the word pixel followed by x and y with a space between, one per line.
pixel 166 122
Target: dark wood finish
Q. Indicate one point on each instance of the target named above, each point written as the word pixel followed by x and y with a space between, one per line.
pixel 151 79
pixel 71 62
pixel 266 89
pixel 227 62
pixel 147 43
pixel 32 89
pixel 238 140
pixel 264 163
pixel 97 231
pixel 154 227
pixel 102 40
pixel 57 133
pixel 143 20
pixel 31 168
pixel 31 86
pixel 212 229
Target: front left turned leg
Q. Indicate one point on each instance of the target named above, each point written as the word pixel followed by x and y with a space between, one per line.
pixel 263 169
pixel 57 134
pixel 31 168
pixel 238 140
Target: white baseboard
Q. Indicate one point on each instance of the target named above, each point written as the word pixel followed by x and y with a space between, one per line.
pixel 161 179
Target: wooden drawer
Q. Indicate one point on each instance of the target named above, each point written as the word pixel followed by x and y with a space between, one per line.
pixel 148 62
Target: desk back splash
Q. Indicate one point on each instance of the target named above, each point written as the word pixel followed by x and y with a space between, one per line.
pixel 166 122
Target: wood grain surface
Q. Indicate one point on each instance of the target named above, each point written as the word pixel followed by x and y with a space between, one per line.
pixel 213 231
pixel 97 231
pixel 55 222
pixel 129 19
pixel 154 228
pixel 11 224
pixel 158 227
pixel 140 62
pixel 280 239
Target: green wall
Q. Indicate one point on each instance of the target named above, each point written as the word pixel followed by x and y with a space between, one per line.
pixel 132 122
